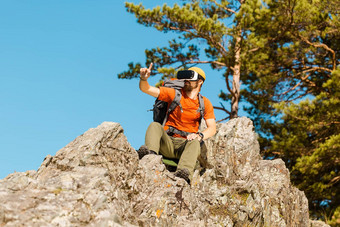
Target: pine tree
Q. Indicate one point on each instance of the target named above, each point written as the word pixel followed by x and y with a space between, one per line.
pixel 311 134
pixel 296 46
pixel 283 52
pixel 198 23
pixel 291 86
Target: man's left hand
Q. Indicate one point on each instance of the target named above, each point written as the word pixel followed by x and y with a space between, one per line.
pixel 193 136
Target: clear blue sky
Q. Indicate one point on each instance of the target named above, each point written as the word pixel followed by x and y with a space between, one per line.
pixel 59 62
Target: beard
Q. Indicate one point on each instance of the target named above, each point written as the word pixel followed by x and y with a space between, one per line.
pixel 189 86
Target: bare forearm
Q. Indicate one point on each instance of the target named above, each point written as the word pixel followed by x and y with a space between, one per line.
pixel 209 132
pixel 211 128
pixel 144 85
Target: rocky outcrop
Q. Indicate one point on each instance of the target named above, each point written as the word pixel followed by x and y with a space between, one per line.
pixel 97 180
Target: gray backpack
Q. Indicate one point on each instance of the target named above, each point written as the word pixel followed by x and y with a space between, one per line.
pixel 161 110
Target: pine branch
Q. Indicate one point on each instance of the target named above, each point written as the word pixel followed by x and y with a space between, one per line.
pixel 206 62
pixel 227 83
pixel 225 8
pixel 299 97
pixel 295 117
pixel 217 45
pixel 335 180
pixel 207 37
pixel 254 49
pixel 223 109
pixel 321 45
pixel 291 97
pixel 305 78
pixel 226 118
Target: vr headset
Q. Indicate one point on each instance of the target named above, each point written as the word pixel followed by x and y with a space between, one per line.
pixel 188 75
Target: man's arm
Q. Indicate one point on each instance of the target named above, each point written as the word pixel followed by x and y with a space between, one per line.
pixel 211 128
pixel 207 133
pixel 144 86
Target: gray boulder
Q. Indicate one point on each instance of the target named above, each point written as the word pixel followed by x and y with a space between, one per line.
pixel 97 180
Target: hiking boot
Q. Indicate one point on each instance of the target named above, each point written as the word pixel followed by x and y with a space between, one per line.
pixel 143 150
pixel 184 174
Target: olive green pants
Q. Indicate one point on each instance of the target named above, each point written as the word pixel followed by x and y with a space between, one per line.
pixel 157 140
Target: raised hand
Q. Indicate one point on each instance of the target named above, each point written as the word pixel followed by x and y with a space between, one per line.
pixel 145 72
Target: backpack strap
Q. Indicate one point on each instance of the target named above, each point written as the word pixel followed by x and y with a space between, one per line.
pixel 175 102
pixel 201 107
pixel 171 130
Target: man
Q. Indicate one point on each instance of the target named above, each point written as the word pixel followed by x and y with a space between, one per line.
pixel 184 118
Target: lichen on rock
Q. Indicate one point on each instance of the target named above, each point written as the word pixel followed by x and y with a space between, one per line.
pixel 97 180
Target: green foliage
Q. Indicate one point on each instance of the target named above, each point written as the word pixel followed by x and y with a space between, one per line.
pixel 334 220
pixel 132 72
pixel 309 140
pixel 198 23
pixel 166 56
pixel 292 86
pixel 286 53
pixel 293 47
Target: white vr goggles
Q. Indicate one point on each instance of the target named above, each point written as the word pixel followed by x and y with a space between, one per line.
pixel 188 75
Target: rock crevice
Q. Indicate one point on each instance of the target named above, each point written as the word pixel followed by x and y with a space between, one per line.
pixel 97 180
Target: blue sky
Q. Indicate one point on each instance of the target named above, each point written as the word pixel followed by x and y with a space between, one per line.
pixel 59 62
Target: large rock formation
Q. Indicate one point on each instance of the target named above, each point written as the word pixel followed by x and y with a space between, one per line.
pixel 97 180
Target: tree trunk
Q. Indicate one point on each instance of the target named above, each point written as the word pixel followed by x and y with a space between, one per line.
pixel 236 75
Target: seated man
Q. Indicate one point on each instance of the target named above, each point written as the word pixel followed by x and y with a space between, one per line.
pixel 183 140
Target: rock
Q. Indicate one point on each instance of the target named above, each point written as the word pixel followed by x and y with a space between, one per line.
pixel 315 223
pixel 97 180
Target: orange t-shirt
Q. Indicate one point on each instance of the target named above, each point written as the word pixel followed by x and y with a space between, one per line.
pixel 189 119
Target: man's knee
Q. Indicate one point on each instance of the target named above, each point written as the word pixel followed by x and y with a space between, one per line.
pixel 155 125
pixel 195 143
pixel 194 146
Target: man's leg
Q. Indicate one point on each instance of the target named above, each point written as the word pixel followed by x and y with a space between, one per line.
pixel 189 152
pixel 157 140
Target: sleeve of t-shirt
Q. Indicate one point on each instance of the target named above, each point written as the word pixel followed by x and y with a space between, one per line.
pixel 208 109
pixel 166 94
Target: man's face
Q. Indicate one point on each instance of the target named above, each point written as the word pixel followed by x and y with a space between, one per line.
pixel 190 85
